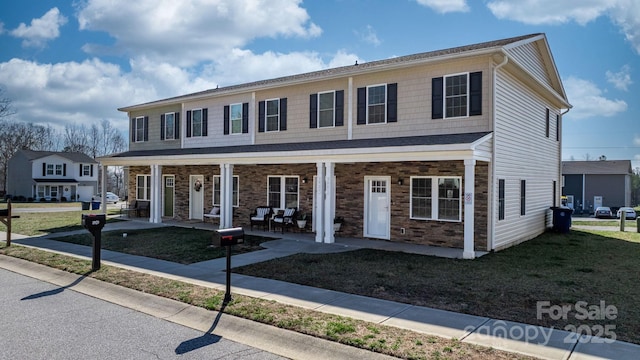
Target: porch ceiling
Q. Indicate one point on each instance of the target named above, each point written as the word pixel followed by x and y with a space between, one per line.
pixel 415 148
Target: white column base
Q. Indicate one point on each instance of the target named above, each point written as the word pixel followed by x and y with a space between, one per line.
pixel 469 255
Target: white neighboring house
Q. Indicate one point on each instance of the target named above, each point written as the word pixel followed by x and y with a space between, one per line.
pixel 49 175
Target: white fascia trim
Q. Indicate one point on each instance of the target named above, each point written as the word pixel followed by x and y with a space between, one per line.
pixel 387 154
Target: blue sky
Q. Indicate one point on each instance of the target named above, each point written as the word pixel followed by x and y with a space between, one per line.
pixel 74 62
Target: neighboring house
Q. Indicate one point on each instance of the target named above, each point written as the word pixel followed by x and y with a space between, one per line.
pixel 49 175
pixel 589 184
pixel 457 147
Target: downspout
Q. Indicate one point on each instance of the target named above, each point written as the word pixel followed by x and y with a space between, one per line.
pixel 560 165
pixel 493 156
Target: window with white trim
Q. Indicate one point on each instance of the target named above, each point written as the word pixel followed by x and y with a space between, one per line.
pixel 58 169
pixel 235 118
pixel 326 109
pixel 170 126
pixel 456 95
pixel 143 187
pixel 139 129
pixel 86 170
pixel 49 169
pixel 446 193
pixel 196 122
pixel 376 104
pixel 282 191
pixel 216 190
pixel 272 115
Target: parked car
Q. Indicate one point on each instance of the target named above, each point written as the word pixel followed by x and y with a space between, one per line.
pixel 111 197
pixel 603 212
pixel 630 214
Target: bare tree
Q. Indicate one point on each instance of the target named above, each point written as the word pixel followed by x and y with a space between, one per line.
pixel 16 135
pixel 76 139
pixel 5 106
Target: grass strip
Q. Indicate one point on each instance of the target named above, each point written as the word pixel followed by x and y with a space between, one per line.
pixel 388 340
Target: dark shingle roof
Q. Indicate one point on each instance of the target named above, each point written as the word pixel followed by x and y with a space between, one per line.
pixel 348 69
pixel 448 139
pixel 601 167
pixel 73 156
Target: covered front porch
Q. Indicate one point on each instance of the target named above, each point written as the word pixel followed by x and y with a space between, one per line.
pixel 370 188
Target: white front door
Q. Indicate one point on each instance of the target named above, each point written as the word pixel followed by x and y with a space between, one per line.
pixel 376 207
pixel 196 197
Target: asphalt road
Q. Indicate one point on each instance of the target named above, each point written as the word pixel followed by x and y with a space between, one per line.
pixel 39 320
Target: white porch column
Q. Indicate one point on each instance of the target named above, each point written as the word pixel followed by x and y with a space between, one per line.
pixel 329 203
pixel 318 212
pixel 155 208
pixel 227 193
pixel 103 188
pixel 469 208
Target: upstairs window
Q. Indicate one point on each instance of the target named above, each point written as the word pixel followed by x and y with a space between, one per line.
pixel 272 115
pixel 456 99
pixel 140 129
pixel 457 95
pixel 377 104
pixel 236 119
pixel 326 109
pixel 87 170
pixel 170 126
pixel 49 169
pixel 58 169
pixel 197 120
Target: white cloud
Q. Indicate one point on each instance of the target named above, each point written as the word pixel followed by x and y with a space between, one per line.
pixel 624 13
pixel 445 6
pixel 73 92
pixel 41 30
pixel 636 140
pixel 588 101
pixel 187 32
pixel 369 36
pixel 627 16
pixel 621 79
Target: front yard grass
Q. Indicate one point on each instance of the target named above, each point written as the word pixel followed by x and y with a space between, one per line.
pixel 176 244
pixel 389 340
pixel 589 266
pixel 42 223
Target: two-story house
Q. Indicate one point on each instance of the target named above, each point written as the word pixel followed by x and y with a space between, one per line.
pixel 48 175
pixel 457 147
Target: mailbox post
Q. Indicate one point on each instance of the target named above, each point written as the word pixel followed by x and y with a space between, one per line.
pixel 228 238
pixel 94 223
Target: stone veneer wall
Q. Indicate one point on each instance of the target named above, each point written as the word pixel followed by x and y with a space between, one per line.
pixel 349 196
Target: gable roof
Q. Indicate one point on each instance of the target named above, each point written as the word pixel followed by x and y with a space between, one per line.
pixel 350 70
pixel 76 157
pixel 597 167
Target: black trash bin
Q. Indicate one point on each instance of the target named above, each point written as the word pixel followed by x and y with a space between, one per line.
pixel 562 219
pixel 86 205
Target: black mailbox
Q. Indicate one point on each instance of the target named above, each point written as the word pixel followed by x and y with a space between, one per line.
pixel 228 237
pixel 94 222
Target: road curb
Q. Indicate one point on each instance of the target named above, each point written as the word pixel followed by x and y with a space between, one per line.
pixel 282 342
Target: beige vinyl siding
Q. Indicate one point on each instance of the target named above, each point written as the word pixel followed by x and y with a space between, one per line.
pixel 154 142
pixel 298 113
pixel 523 152
pixel 530 57
pixel 414 101
pixel 215 122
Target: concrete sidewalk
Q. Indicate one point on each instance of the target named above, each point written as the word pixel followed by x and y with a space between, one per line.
pixel 514 337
